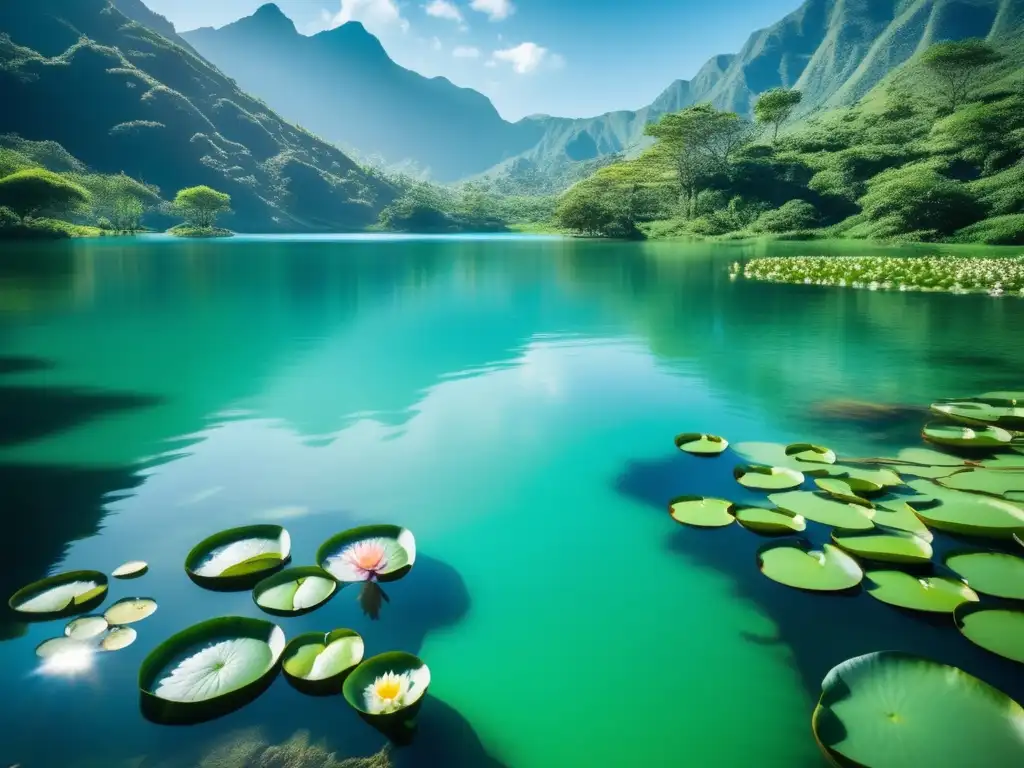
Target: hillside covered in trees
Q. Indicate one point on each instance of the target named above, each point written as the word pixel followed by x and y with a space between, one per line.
pixel 935 152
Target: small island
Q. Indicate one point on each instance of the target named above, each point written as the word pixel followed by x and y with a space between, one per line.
pixel 200 206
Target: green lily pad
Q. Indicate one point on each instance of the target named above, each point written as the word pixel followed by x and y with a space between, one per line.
pixel 957 436
pixel 991 573
pixel 316 662
pixel 994 482
pixel 118 638
pixel 894 710
pixel 295 591
pixel 701 511
pixel 131 570
pixel 999 630
pixel 209 669
pixel 387 686
pixel 763 478
pixel 901 516
pixel 60 645
pixel 866 479
pixel 890 547
pixel 984 411
pixel 1002 398
pixel 812 454
pixel 936 594
pixel 841 490
pixel 770 522
pixel 701 444
pixel 86 627
pixel 775 455
pixel 793 563
pixel 65 594
pixel 1003 461
pixel 968 513
pixel 822 508
pixel 368 553
pixel 929 457
pixel 237 558
pixel 129 610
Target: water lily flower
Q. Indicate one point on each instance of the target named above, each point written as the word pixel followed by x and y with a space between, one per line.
pixel 388 693
pixel 365 559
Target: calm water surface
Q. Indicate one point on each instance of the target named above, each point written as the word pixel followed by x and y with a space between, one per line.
pixel 513 402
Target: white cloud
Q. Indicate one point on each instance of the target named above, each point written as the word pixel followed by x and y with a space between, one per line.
pixel 528 57
pixel 495 9
pixel 466 52
pixel 443 9
pixel 376 15
pixel 435 44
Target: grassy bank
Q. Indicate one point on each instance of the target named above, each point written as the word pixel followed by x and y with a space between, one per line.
pixel 183 230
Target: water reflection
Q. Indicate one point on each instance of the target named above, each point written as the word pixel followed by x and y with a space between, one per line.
pixel 371 598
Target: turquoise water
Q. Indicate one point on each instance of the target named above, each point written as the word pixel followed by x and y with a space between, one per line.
pixel 513 402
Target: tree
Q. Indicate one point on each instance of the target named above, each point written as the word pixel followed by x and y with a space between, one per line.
pixel 200 206
pixel 955 65
pixel 37 192
pixel 697 143
pixel 775 106
pixel 119 199
pixel 916 198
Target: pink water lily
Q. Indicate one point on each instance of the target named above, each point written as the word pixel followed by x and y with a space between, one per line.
pixel 367 559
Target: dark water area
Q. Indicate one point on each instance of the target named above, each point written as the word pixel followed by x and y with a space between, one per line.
pixel 512 401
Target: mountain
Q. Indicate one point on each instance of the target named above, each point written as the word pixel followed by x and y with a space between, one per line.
pixel 342 84
pixel 122 97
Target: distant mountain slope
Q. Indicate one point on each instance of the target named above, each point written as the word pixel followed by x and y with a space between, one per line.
pixel 342 84
pixel 121 97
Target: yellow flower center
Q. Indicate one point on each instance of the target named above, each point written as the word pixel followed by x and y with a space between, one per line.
pixel 388 689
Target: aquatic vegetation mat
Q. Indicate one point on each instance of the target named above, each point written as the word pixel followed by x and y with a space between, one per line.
pixel 994 276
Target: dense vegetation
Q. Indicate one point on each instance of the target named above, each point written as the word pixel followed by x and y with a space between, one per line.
pixel 935 153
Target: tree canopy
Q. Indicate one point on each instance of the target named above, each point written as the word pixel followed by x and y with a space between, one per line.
pixel 775 106
pixel 200 206
pixel 38 192
pixel 955 66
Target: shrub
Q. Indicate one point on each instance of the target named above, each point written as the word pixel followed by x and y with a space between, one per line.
pixel 794 215
pixel 38 192
pixel 1000 230
pixel 917 197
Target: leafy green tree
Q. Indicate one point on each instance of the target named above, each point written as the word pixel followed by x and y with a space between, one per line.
pixel 791 217
pixel 774 108
pixel 37 192
pixel 955 66
pixel 917 198
pixel 582 211
pixel 200 206
pixel 119 199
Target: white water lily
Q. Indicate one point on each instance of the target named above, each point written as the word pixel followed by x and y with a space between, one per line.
pixel 57 598
pixel 222 558
pixel 216 669
pixel 387 693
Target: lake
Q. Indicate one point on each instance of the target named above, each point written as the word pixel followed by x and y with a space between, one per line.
pixel 511 400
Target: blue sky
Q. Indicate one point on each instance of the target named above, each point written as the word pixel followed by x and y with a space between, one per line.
pixel 571 58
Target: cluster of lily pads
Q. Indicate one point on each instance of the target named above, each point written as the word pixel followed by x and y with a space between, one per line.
pixel 996 277
pixel 883 708
pixel 219 665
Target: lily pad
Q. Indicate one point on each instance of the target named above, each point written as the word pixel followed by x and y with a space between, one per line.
pixel 841 490
pixel 822 508
pixel 812 454
pixel 985 411
pixel 991 573
pixel 129 610
pixel 795 564
pixel 131 570
pixel 239 557
pixel 209 669
pixel 999 630
pixel 118 638
pixel 316 662
pixel 936 594
pixel 901 516
pixel 994 482
pixel 65 594
pixel 59 645
pixel 368 553
pixel 770 522
pixel 701 444
pixel 866 479
pixel 890 547
pixel 968 513
pixel 1010 460
pixel 775 455
pixel 86 627
pixel 387 686
pixel 764 478
pixel 295 591
pixel 929 457
pixel 702 511
pixel 961 437
pixel 894 710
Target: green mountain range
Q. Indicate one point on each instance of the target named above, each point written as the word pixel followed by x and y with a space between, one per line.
pixel 342 84
pixel 121 95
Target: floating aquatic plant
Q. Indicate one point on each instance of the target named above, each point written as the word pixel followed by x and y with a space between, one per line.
pixel 764 478
pixel 295 591
pixel 968 513
pixel 130 570
pixel 895 710
pixel 999 630
pixel 315 662
pixel 770 522
pixel 62 595
pixel 823 508
pixel 129 610
pixel 888 547
pixel 368 553
pixel 118 638
pixel 86 627
pixel 994 276
pixel 812 454
pixel 958 436
pixel 701 444
pixel 701 511
pixel 934 594
pixel 994 482
pixel 239 557
pixel 388 684
pixel 991 573
pixel 792 562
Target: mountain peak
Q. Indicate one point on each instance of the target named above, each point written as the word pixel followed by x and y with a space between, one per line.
pixel 270 16
pixel 355 39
